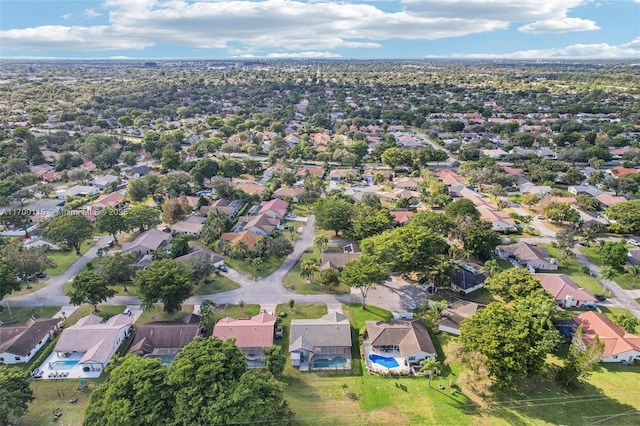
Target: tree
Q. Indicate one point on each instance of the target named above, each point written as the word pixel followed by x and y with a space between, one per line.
pixel 217 222
pixel 15 394
pixel 589 236
pixel 118 268
pixel 321 241
pixel 430 367
pixel 607 273
pixel 207 315
pixel 491 267
pixel 394 157
pixel 142 217
pixel 179 246
pixel 8 282
pixel 626 215
pixel 329 278
pixel 587 202
pixel 362 273
pixel 129 158
pixel 170 159
pixel 174 210
pixel 566 240
pixel 634 273
pixel 274 359
pixel 462 208
pixel 135 393
pixel 333 214
pixel 71 230
pixel 530 199
pixel 24 262
pixel 561 212
pixel 138 189
pixel 581 360
pixel 111 221
pixel 367 222
pixel 479 239
pixel 308 268
pixel 165 280
pixel 512 284
pixel 19 219
pixel 511 341
pixel 87 287
pixel 627 321
pixel 279 246
pixel 614 254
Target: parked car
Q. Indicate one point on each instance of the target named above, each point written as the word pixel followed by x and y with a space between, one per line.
pixel 600 297
pixel 633 242
pixel 126 311
pixel 223 268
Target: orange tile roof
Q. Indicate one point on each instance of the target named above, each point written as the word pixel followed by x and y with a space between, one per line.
pixel 616 340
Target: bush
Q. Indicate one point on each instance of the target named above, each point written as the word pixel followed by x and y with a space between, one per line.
pixel 44 353
pixel 585 269
pixel 89 266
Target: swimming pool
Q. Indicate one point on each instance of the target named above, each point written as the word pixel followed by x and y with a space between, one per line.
pixel 388 362
pixel 64 365
pixel 335 362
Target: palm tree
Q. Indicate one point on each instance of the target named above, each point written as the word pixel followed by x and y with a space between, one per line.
pixel 491 267
pixel 633 272
pixel 589 236
pixel 321 241
pixel 606 273
pixel 308 268
pixel 429 366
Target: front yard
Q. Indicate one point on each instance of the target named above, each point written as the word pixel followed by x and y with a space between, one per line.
pixel 158 314
pixel 23 314
pixel 621 278
pixel 245 267
pixel 573 269
pixel 294 281
pixel 65 258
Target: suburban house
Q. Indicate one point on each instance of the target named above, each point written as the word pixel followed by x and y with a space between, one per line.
pixel 529 188
pixel 165 339
pixel 249 188
pixel 202 254
pixel 338 175
pixel 337 259
pixel 469 277
pixel 288 193
pixel 276 208
pixel 619 345
pixel 523 254
pixel 449 177
pixel 609 200
pixel 406 341
pixel 45 207
pixel 619 171
pixel 500 222
pixel 190 226
pixel 103 181
pixel 594 191
pixel 228 207
pixel 20 342
pixel 260 224
pixel 400 217
pixel 91 343
pixel 248 238
pixel 370 173
pixel 108 200
pixel 406 182
pixel 459 309
pixel 319 344
pixel 77 191
pixel 565 291
pixel 251 335
pixel 136 172
pixel 305 171
pixel 147 242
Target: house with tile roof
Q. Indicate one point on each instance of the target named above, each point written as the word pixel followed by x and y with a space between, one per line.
pixel 321 344
pixel 165 339
pixel 251 335
pixel 275 208
pixel 457 311
pixel 190 226
pixel 288 193
pixel 147 242
pixel 249 238
pixel 523 254
pixel 108 200
pixel 199 253
pixel 20 342
pixel 260 224
pixel 565 291
pixel 619 345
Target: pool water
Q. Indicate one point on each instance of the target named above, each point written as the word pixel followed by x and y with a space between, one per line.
pixel 335 362
pixel 388 362
pixel 64 365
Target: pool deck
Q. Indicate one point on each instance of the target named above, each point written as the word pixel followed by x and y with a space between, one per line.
pixel 76 372
pixel 379 368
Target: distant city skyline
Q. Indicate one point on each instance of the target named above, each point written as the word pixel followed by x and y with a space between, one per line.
pixel 358 29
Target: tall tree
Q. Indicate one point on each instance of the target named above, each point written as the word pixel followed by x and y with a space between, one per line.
pixel 19 219
pixel 321 241
pixel 111 221
pixel 479 239
pixel 118 268
pixel 71 230
pixel 135 393
pixel 15 394
pixel 274 360
pixel 8 282
pixel 333 214
pixel 512 284
pixel 362 273
pixel 634 273
pixel 614 254
pixel 142 217
pixel 430 367
pixel 581 360
pixel 165 280
pixel 24 262
pixel 627 321
pixel 88 287
pixel 367 222
pixel 207 315
pixel 462 208
pixel 491 267
pixel 626 216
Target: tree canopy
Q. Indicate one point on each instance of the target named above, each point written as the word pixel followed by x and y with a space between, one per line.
pixel 167 281
pixel 88 287
pixel 69 229
pixel 512 283
pixel 362 273
pixel 15 394
pixel 333 214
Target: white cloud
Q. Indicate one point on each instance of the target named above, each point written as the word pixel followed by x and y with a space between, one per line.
pixel 304 55
pixel 67 16
pixel 562 25
pixel 92 13
pixel 574 51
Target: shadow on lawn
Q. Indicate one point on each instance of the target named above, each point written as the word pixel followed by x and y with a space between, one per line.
pixel 541 399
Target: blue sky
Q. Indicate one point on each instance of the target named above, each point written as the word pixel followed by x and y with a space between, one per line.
pixel 320 28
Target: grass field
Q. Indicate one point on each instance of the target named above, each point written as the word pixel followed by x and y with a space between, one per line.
pixel 158 314
pixel 573 269
pixel 245 268
pixel 621 278
pixel 52 394
pixel 217 285
pixel 104 311
pixel 22 314
pixel 293 279
pixel 65 258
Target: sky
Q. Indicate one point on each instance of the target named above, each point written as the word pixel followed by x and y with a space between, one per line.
pixel 358 29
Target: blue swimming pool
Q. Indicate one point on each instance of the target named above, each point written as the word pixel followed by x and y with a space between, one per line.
pixel 64 365
pixel 384 361
pixel 335 362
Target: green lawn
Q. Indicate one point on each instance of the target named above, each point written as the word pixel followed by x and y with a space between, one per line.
pixel 358 316
pixel 245 268
pixel 65 258
pixel 573 269
pixel 104 311
pixel 235 311
pixel 504 264
pixel 35 286
pixel 22 314
pixel 158 314
pixel 294 281
pixel 52 394
pixel 299 210
pixel 217 285
pixel 621 278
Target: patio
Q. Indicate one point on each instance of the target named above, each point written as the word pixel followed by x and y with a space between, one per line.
pixel 379 368
pixel 56 367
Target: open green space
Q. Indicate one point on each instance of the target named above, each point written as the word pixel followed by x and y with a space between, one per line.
pixel 23 314
pixel 34 286
pixel 621 277
pixel 216 285
pixel 246 268
pixel 104 311
pixel 293 279
pixel 52 394
pixel 158 314
pixel 299 209
pixel 358 315
pixel 237 311
pixel 65 258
